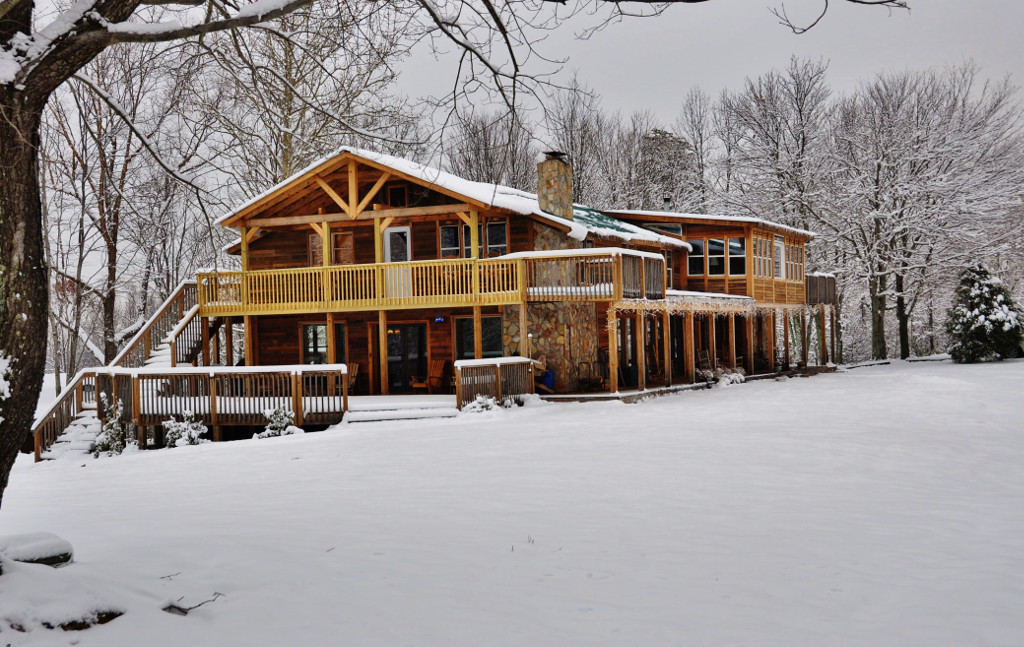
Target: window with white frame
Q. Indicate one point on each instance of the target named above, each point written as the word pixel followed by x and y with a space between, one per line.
pixel 716 257
pixel 450 244
pixel 497 238
pixel 780 258
pixel 695 262
pixel 737 257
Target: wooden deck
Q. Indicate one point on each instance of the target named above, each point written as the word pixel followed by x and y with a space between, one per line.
pixel 582 275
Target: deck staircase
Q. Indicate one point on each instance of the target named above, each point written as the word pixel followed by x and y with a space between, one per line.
pixel 385 408
pixel 78 438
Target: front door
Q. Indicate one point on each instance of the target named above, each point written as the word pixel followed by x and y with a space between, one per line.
pixel 407 355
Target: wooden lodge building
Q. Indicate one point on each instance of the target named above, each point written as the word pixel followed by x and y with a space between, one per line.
pixel 373 275
pixel 398 270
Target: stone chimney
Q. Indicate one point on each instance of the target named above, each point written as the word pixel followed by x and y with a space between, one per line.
pixel 554 185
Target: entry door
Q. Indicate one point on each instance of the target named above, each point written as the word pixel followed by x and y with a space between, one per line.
pixel 397 249
pixel 407 355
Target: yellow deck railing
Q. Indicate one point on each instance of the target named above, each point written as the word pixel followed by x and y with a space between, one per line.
pixel 592 275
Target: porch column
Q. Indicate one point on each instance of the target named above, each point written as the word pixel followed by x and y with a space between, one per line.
pixel 613 352
pixel 205 323
pixel 804 341
pixel 249 323
pixel 786 359
pixel 478 336
pixel 378 242
pixel 770 339
pixel 244 232
pixel 332 349
pixel 832 330
pixel 822 342
pixel 382 328
pixel 732 340
pixel 474 234
pixel 640 322
pixel 666 346
pixel 524 336
pixel 750 343
pixel 688 347
pixel 229 341
pixel 712 342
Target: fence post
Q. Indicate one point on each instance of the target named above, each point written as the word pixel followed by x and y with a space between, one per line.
pixel 217 435
pixel 140 435
pixel 297 397
pixel 78 394
pixel 458 388
pixel 173 346
pixel 617 277
pixel 497 381
pixel 344 392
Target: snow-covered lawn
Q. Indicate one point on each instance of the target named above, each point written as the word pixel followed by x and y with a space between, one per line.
pixel 880 506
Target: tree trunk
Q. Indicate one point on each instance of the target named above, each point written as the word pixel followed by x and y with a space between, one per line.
pixel 23 281
pixel 902 318
pixel 876 287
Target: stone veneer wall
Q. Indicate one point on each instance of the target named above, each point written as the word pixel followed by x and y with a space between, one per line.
pixel 564 334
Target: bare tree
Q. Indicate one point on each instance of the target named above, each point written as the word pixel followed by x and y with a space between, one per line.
pixel 494 148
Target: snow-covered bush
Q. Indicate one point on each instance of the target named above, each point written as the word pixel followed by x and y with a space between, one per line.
pixel 984 322
pixel 481 404
pixel 729 376
pixel 114 438
pixel 187 431
pixel 279 423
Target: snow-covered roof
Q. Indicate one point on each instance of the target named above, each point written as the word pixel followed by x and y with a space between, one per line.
pixel 585 220
pixel 672 215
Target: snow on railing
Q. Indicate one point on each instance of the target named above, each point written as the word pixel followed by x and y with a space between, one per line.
pixel 506 379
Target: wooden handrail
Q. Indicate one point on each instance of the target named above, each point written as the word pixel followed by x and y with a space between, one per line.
pixel 228 395
pixel 141 346
pixel 562 275
pixel 506 379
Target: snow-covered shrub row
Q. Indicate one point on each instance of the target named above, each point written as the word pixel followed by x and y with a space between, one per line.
pixel 114 439
pixel 279 423
pixel 187 431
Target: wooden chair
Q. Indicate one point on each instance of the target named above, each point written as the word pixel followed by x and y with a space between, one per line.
pixel 353 375
pixel 434 380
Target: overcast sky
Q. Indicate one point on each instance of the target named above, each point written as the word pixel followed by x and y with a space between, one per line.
pixel 651 63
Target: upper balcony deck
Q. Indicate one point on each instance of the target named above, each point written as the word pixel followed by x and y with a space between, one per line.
pixel 568 275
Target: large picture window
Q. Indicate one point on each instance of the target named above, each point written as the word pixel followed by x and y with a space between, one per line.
pixel 450 247
pixel 716 257
pixel 780 258
pixel 695 262
pixel 490 328
pixel 737 257
pixel 497 238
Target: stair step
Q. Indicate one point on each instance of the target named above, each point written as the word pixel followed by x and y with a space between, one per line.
pixel 397 404
pixel 375 415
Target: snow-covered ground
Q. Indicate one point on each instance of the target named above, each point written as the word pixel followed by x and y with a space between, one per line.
pixel 879 506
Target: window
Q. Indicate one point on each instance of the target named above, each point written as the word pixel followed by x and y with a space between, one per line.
pixel 716 257
pixel 314 343
pixel 668 269
pixel 780 258
pixel 450 247
pixel 666 228
pixel 695 264
pixel 340 345
pixel 343 249
pixel 497 238
pixel 467 240
pixel 315 250
pixel 737 256
pixel 398 196
pixel 490 328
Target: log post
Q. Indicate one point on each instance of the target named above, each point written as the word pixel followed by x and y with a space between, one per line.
pixel 832 329
pixel 770 339
pixel 229 341
pixel 297 403
pixel 732 340
pixel 750 343
pixel 822 340
pixel 344 392
pixel 666 346
pixel 640 339
pixel 458 388
pixel 786 359
pixel 250 343
pixel 214 419
pixel 140 434
pixel 805 347
pixel 712 342
pixel 689 372
pixel 478 337
pixel 613 352
pixel 205 325
pixel 382 337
